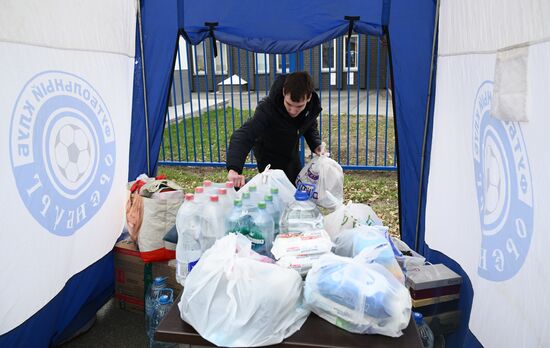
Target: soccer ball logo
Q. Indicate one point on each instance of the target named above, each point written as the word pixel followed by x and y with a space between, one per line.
pixel 72 153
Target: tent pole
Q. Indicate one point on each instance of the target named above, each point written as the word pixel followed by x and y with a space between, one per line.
pixel 144 91
pixel 426 123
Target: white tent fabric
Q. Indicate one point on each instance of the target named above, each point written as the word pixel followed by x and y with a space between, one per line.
pixel 66 82
pixel 493 219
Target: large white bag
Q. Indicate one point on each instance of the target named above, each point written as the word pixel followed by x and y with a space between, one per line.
pixel 271 178
pixel 327 177
pixel 234 300
pixel 357 295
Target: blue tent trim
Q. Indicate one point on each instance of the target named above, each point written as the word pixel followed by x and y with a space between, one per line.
pixel 160 37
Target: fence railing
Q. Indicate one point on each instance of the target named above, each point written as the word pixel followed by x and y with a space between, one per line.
pixel 211 96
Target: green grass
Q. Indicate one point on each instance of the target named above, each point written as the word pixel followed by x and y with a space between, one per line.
pixel 204 138
pixel 377 189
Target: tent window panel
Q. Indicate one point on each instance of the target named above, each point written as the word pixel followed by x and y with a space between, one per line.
pixel 279 61
pixel 199 62
pixel 351 54
pixel 328 56
pixel 262 63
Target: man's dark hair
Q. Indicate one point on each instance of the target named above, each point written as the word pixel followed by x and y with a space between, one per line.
pixel 299 85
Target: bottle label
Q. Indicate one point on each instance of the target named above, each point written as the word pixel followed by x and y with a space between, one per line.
pixel 256 238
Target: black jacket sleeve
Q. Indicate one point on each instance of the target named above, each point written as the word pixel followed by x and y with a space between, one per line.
pixel 243 139
pixel 312 136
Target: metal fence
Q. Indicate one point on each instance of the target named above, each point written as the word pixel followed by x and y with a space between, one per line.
pixel 212 95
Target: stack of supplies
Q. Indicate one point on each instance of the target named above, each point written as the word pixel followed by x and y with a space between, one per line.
pixel 435 292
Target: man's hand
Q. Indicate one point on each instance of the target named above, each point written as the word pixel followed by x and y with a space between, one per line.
pixel 236 178
pixel 320 150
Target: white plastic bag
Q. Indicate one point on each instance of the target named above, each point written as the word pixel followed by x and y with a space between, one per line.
pixel 327 176
pixel 376 243
pixel 234 300
pixel 357 296
pixel 348 216
pixel 268 179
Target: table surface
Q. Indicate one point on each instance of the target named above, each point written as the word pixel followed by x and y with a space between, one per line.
pixel 315 332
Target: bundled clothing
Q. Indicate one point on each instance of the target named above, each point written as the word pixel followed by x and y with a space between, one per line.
pixel 275 135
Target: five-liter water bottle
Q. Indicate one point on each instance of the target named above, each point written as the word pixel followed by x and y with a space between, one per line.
pixel 424 331
pixel 261 231
pixel 212 227
pixel 233 223
pixel 301 215
pixel 162 306
pixel 188 249
pixel 274 212
pixel 255 195
pixel 225 202
pixel 151 297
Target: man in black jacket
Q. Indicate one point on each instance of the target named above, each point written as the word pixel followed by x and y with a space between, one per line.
pixel 288 112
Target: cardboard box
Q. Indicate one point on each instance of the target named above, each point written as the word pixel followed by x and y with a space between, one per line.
pixel 431 276
pixel 133 276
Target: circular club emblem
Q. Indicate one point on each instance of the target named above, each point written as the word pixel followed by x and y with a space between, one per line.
pixel 62 148
pixel 504 191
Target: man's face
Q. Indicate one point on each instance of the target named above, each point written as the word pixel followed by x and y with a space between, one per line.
pixel 294 108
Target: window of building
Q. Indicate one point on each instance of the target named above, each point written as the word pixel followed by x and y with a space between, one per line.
pixel 262 63
pixel 328 56
pixel 199 61
pixel 351 53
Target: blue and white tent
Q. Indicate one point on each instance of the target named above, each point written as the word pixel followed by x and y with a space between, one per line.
pixel 469 113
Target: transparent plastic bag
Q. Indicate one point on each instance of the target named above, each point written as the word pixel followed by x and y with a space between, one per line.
pixel 357 296
pixel 234 299
pixel 374 243
pixel 327 176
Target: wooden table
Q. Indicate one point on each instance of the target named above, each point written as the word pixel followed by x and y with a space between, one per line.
pixel 315 332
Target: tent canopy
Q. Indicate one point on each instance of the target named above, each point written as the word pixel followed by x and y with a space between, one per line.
pixel 279 26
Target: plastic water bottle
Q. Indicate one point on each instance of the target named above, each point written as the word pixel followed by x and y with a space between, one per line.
pixel 162 306
pixel 248 205
pixel 225 202
pixel 209 188
pixel 200 195
pixel 261 231
pixel 424 331
pixel 275 214
pixel 301 215
pixel 212 224
pixel 190 252
pixel 233 220
pixel 151 297
pixel 188 249
pixel 255 195
pixel 231 193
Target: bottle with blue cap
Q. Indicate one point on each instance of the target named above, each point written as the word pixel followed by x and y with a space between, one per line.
pixel 301 215
pixel 162 306
pixel 424 331
pixel 151 297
